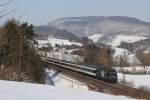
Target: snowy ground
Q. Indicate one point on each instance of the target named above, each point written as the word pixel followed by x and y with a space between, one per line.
pixel 123 38
pixel 131 57
pixel 65 81
pixel 27 91
pixel 95 37
pixel 62 80
pixel 137 80
pixel 54 41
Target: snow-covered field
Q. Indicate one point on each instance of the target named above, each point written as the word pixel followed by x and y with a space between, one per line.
pixel 131 57
pixel 27 91
pixel 122 38
pixel 65 81
pixel 137 80
pixel 54 41
pixel 95 37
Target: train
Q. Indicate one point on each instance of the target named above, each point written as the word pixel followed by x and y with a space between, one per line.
pixel 101 73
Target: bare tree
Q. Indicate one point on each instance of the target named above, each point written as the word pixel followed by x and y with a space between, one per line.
pixel 90 52
pixel 104 57
pixel 123 62
pixel 145 60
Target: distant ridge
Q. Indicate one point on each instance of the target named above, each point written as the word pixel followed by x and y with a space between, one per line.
pixel 84 26
pixel 43 32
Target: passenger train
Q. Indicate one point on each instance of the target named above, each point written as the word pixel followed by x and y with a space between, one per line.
pixel 105 74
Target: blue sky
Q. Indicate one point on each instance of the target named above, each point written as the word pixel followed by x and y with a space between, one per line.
pixel 39 12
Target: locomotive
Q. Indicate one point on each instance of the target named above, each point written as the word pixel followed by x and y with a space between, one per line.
pixel 105 74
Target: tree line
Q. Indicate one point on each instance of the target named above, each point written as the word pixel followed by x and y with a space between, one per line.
pixel 18 57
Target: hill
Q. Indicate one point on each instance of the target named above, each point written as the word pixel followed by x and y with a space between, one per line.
pixel 44 32
pixel 108 27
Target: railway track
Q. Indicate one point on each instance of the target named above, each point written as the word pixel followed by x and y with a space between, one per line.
pixel 115 89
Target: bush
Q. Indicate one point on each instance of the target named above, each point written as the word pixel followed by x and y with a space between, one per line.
pixel 12 74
